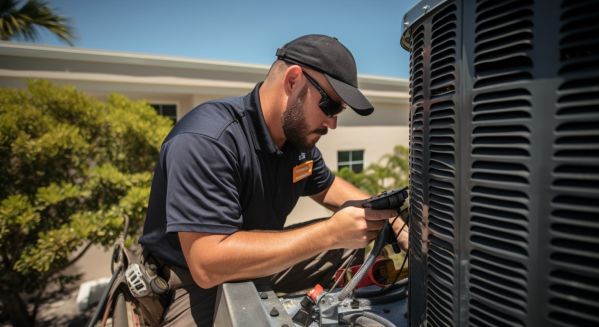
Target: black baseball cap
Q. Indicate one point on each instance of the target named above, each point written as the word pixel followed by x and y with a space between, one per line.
pixel 328 56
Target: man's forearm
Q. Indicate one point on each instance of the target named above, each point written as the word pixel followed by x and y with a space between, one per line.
pixel 338 194
pixel 215 259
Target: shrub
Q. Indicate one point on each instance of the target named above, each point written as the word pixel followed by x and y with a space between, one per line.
pixel 390 172
pixel 71 169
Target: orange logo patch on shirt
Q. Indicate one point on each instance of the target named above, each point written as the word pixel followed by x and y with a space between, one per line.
pixel 302 171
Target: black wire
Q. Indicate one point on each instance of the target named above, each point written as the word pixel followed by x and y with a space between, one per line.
pixel 388 287
pixel 366 314
pixel 344 266
pixel 401 268
pixel 394 219
pixel 351 258
pixel 407 252
pixel 346 263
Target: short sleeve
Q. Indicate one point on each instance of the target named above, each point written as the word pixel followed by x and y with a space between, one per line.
pixel 321 177
pixel 202 175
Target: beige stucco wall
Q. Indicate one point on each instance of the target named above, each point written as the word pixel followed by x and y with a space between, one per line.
pixel 375 141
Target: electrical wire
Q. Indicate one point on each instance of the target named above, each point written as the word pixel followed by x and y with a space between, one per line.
pixel 376 249
pixel 371 316
pixel 350 259
pixel 401 268
pixel 378 246
pixel 389 287
pixel 407 252
pixel 343 267
pixel 394 219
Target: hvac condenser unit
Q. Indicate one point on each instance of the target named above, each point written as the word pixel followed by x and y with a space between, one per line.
pixel 504 137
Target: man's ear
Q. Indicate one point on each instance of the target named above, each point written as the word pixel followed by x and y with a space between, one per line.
pixel 291 79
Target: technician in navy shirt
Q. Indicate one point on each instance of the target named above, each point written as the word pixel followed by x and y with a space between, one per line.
pixel 231 171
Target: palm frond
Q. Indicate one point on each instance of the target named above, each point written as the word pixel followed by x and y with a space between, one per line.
pixel 7 6
pixel 33 15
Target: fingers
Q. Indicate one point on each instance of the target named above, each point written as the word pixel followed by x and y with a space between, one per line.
pixel 353 203
pixel 375 225
pixel 371 214
pixel 371 235
pixel 358 226
pixel 404 238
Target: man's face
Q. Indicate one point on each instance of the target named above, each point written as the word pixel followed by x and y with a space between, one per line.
pixel 304 122
pixel 295 124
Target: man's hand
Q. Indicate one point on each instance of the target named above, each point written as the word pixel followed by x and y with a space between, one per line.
pixel 402 234
pixel 355 227
pixel 347 200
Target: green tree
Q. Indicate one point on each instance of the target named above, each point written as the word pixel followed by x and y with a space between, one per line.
pixel 391 171
pixel 71 169
pixel 25 20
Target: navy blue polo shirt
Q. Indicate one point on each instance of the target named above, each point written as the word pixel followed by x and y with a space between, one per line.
pixel 220 172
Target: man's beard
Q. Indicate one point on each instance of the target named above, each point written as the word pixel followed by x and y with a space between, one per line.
pixel 294 124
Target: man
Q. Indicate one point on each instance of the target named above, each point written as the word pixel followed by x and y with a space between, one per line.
pixel 231 170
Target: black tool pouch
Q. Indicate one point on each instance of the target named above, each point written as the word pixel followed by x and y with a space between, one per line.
pixel 134 283
pixel 152 306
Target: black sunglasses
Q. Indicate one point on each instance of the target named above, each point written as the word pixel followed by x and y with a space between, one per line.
pixel 330 107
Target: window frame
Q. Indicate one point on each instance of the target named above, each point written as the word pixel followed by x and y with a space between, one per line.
pixel 351 163
pixel 159 111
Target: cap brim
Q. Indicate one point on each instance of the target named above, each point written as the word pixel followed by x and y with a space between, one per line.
pixel 351 96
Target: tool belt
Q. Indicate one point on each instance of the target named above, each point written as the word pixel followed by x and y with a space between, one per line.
pixel 142 282
pixel 153 304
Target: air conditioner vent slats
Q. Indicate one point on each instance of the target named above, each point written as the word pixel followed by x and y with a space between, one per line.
pixel 503 46
pixel 574 291
pixel 491 294
pixel 498 226
pixel 442 59
pixel 440 301
pixel 443 38
pixel 504 136
pixel 502 239
pixel 500 272
pixel 492 29
pixel 502 42
pixel 501 150
pixel 503 287
pixel 510 217
pixel 491 8
pixel 574 220
pixel 433 126
pixel 416 140
pixel 484 315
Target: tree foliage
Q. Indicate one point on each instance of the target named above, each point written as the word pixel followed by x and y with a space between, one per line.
pixel 71 169
pixel 391 171
pixel 24 21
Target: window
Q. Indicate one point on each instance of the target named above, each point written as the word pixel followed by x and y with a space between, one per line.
pixel 353 160
pixel 167 110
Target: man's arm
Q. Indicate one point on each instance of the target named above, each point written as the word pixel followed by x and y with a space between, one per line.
pixel 342 193
pixel 214 259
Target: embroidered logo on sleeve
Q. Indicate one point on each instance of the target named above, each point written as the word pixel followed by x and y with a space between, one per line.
pixel 302 171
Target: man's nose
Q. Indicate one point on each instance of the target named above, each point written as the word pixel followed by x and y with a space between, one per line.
pixel 331 122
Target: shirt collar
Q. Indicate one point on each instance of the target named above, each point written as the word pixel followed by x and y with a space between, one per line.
pixel 263 140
